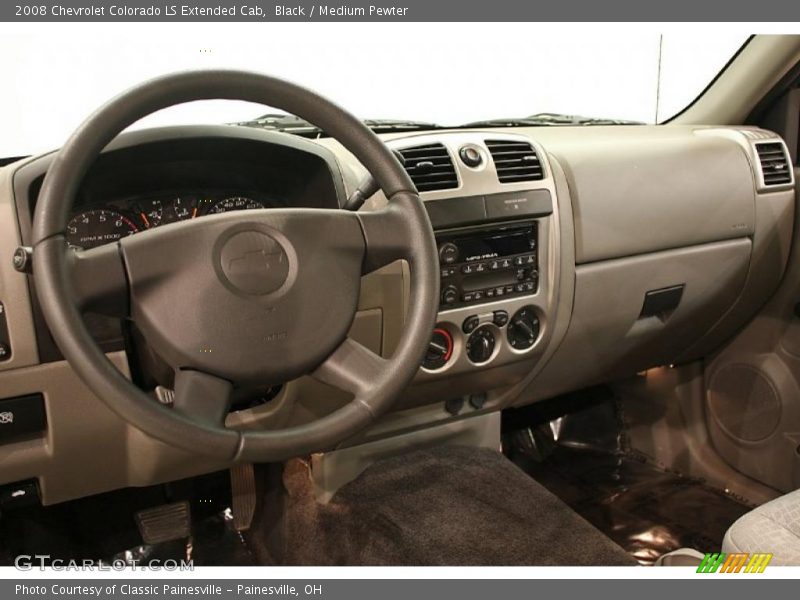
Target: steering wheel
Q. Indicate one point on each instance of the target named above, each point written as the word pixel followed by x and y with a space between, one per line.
pixel 273 292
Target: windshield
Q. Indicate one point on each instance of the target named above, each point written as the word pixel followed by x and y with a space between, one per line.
pixel 443 74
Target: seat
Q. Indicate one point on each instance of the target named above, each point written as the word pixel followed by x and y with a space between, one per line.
pixel 773 527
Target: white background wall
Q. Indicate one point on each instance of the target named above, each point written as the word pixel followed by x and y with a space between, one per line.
pixel 55 74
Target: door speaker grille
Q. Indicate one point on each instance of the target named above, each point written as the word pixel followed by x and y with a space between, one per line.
pixel 744 402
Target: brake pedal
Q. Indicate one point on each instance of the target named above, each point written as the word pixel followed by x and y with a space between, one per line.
pixel 165 523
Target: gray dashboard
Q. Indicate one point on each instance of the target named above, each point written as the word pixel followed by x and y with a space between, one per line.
pixel 653 245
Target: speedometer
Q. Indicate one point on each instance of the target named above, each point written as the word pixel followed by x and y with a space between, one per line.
pixel 235 203
pixel 93 228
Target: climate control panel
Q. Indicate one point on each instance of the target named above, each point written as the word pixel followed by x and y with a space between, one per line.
pixel 482 337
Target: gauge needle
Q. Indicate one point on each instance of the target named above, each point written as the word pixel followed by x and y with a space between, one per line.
pixel 194 212
pixel 146 222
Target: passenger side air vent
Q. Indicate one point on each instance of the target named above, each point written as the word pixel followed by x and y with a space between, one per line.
pixel 515 161
pixel 776 168
pixel 430 167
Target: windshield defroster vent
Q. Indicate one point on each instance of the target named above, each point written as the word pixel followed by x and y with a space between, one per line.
pixel 776 167
pixel 430 167
pixel 515 161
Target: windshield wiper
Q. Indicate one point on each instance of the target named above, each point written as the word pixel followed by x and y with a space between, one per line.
pixel 548 119
pixel 298 126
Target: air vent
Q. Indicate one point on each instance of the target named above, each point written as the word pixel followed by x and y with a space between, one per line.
pixel 430 167
pixel 515 161
pixel 776 168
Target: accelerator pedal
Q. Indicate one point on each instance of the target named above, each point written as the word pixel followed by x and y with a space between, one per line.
pixel 165 523
pixel 243 495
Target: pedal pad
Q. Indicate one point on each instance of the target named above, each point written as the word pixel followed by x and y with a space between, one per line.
pixel 243 495
pixel 165 396
pixel 165 523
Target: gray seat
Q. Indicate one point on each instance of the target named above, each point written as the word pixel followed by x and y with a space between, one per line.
pixel 773 527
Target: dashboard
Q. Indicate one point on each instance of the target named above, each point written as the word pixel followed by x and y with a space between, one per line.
pixel 568 257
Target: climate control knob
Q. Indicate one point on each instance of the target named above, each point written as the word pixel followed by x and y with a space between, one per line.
pixel 440 350
pixel 480 345
pixel 523 328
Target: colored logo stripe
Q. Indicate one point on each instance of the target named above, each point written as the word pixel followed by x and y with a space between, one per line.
pixel 734 563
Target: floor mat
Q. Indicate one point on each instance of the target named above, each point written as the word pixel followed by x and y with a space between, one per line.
pixel 583 459
pixel 443 506
pixel 102 528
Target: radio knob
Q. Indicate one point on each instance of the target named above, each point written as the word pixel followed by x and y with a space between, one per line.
pixel 450 295
pixel 448 253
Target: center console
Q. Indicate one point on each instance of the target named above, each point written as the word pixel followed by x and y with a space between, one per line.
pixel 491 200
pixel 491 311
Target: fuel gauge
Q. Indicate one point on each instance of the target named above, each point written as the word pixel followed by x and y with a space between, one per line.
pixel 157 212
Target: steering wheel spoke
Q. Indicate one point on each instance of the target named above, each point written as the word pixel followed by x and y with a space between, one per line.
pixel 99 282
pixel 352 368
pixel 201 397
pixel 387 237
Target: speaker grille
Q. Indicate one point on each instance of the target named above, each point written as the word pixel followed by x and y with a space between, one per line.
pixel 744 402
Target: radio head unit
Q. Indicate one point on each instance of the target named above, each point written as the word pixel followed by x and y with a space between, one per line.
pixel 485 264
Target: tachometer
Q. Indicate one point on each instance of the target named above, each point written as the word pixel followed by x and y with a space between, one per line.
pixel 234 203
pixel 93 228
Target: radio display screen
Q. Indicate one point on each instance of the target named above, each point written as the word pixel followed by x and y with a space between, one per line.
pixel 479 281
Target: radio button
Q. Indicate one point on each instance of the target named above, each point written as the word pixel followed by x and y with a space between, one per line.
pixel 529 259
pixel 477 295
pixel 490 293
pixel 499 291
pixel 520 287
pixel 467 269
pixel 448 272
pixel 505 263
pixel 494 265
pixel 468 297
pixel 480 267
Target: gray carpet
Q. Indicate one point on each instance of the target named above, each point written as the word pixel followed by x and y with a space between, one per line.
pixel 444 506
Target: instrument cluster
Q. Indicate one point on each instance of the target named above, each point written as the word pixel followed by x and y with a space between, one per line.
pixel 108 222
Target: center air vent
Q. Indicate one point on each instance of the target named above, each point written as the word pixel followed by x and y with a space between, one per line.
pixel 776 168
pixel 515 161
pixel 430 167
